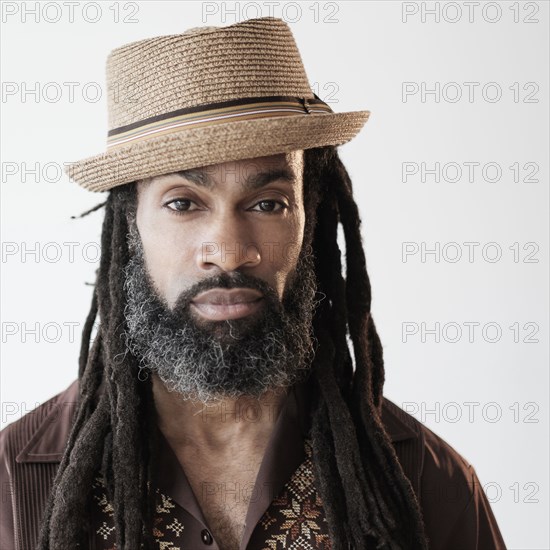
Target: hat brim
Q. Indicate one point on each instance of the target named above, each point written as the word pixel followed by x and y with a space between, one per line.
pixel 197 147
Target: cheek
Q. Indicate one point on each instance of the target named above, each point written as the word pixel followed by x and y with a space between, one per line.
pixel 166 252
pixel 284 250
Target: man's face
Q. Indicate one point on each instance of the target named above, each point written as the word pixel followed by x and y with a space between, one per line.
pixel 220 290
pixel 191 232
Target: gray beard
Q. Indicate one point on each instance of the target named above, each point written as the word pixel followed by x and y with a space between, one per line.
pixel 210 360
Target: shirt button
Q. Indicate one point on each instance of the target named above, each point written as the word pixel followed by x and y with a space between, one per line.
pixel 206 536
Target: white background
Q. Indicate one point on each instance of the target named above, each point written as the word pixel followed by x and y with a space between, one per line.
pixel 357 56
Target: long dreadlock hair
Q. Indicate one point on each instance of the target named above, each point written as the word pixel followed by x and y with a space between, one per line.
pixel 368 500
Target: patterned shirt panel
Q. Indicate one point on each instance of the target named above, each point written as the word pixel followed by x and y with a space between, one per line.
pixel 295 519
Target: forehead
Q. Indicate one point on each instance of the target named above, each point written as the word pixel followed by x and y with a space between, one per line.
pixel 250 174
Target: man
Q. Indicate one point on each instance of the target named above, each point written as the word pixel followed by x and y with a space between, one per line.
pixel 218 405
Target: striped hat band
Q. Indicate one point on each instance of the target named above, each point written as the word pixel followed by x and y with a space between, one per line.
pixel 215 113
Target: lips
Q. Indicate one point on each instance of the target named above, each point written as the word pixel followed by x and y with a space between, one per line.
pixel 224 305
pixel 228 297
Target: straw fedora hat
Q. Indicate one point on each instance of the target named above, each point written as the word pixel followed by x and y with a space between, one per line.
pixel 206 96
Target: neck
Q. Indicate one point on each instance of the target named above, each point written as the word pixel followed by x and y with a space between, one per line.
pixel 220 428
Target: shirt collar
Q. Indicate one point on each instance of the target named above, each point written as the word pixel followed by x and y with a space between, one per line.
pixel 55 418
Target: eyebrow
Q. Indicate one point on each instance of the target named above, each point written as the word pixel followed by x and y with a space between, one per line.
pixel 255 181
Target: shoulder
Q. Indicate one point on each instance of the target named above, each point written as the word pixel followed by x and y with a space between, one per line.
pixel 18 435
pixel 441 466
pixel 30 449
pixel 443 474
pixel 455 509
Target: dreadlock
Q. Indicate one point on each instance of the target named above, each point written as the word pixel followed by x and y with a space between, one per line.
pixel 368 500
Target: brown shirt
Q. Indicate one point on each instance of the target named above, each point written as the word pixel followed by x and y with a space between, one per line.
pixel 285 508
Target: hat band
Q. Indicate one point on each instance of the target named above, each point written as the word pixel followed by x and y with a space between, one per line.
pixel 215 113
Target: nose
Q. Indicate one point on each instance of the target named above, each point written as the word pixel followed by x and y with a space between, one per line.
pixel 228 245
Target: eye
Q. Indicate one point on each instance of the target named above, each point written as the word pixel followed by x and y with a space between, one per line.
pixel 272 202
pixel 179 206
pixel 182 206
